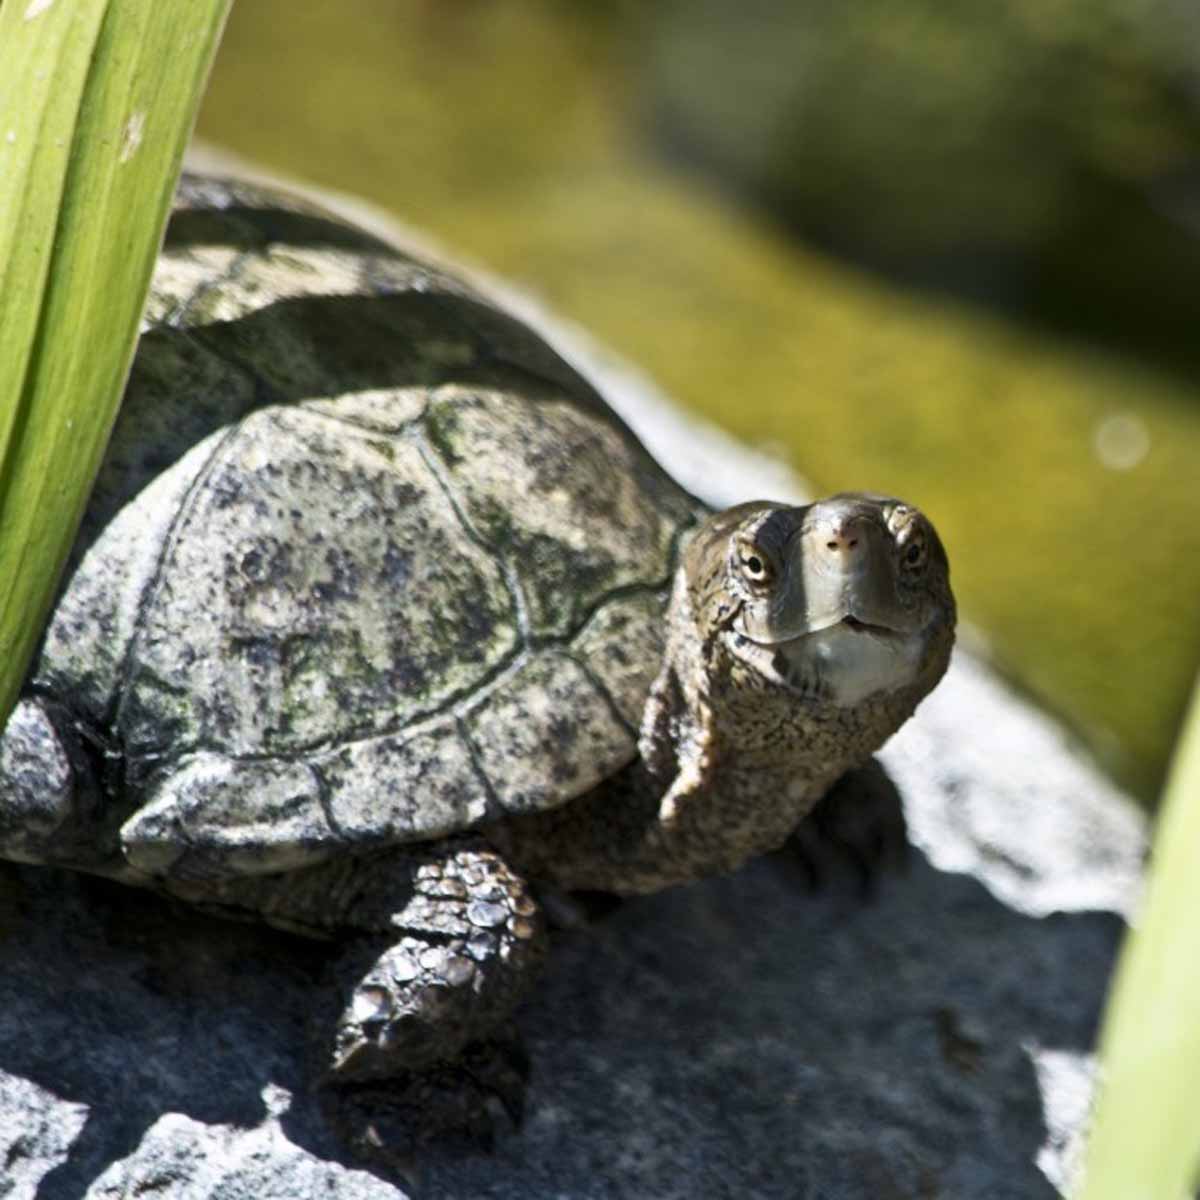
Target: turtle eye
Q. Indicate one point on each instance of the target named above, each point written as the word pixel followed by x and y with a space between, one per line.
pixel 754 566
pixel 914 556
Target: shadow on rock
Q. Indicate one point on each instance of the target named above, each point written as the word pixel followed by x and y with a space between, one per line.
pixel 733 1037
pixel 740 1038
pixel 132 1007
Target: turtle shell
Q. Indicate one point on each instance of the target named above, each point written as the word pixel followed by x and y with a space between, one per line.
pixel 366 560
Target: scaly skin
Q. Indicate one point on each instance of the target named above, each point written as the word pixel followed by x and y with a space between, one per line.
pixel 737 745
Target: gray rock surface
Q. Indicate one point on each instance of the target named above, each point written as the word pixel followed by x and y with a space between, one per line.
pixel 739 1037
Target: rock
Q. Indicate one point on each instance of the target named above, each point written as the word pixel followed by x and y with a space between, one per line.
pixel 739 1036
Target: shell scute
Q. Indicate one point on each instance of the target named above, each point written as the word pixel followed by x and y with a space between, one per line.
pixel 547 734
pixel 399 788
pixel 318 589
pixel 553 490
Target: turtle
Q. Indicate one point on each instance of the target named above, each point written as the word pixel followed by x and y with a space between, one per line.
pixel 382 627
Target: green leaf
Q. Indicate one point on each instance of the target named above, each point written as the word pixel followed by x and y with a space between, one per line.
pixel 1145 1142
pixel 97 101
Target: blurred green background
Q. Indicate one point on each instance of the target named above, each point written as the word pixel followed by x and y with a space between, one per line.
pixel 947 250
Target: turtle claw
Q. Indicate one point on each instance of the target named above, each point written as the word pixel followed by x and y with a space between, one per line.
pixel 458 1106
pixel 500 1068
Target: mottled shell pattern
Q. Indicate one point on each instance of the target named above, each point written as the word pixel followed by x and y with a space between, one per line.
pixel 365 556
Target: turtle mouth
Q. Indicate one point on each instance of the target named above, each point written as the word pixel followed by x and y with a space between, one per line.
pixel 854 624
pixel 839 664
pixel 866 627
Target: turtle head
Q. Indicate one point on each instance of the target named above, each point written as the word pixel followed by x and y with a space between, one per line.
pixel 835 600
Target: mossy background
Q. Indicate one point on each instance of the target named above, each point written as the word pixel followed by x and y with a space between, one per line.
pixel 951 252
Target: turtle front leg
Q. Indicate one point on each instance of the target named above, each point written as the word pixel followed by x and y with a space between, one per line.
pixel 421 1041
pixel 859 823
